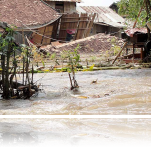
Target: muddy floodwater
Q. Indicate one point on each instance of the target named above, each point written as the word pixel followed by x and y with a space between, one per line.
pixel 116 92
pixel 76 133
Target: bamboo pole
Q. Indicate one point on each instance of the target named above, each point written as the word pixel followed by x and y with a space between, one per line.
pixel 147 11
pixel 23 57
pixel 90 25
pixel 120 52
pixel 32 80
pixel 3 74
pixel 70 81
pixel 23 37
pixel 7 83
pixel 23 69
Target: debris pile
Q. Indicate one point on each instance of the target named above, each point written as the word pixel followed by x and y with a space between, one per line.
pixel 97 43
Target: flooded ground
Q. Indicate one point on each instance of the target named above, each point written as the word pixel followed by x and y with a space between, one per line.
pixel 75 133
pixel 117 92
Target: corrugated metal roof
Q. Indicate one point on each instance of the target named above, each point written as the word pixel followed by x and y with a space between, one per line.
pixel 28 12
pixel 78 1
pixel 131 32
pixel 104 15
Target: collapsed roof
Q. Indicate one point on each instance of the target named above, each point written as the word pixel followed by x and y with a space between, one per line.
pixel 131 32
pixel 31 13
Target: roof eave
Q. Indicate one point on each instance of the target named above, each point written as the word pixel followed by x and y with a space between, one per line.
pixel 105 24
pixel 36 26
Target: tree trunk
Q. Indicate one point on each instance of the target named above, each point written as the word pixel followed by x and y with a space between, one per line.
pixel 7 84
pixel 147 4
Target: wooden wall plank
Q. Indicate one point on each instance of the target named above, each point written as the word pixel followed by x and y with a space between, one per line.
pixel 47 33
pixel 82 25
pixel 68 21
pixel 55 29
pixel 92 17
pixel 38 38
pixel 51 3
pixel 69 7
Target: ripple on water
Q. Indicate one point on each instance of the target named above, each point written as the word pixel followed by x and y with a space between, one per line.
pixel 116 92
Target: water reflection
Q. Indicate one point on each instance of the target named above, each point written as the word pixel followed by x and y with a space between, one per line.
pixel 18 140
pixel 75 132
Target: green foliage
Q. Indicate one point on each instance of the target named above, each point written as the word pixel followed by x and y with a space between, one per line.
pixel 7 45
pixel 7 49
pixel 91 68
pixel 63 55
pixel 131 8
pixel 113 40
pixel 73 58
pixel 6 41
pixel 93 58
pixel 115 48
pixel 25 51
pixel 48 55
pixel 53 56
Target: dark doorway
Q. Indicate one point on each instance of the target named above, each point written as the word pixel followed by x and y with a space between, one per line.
pixel 59 6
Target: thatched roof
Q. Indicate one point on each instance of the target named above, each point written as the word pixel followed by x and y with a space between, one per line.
pixel 33 13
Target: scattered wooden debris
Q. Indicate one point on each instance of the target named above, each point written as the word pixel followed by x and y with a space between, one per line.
pixel 94 81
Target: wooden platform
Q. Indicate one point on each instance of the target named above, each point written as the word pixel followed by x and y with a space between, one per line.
pixel 127 61
pixel 132 58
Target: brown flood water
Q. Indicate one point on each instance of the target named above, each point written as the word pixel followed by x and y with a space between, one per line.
pixel 117 92
pixel 75 133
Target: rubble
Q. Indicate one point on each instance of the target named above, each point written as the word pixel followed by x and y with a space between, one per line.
pixel 97 43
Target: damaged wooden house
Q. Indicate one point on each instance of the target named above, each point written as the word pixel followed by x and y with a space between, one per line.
pixel 137 46
pixel 106 21
pixel 72 25
pixel 34 19
pixel 75 26
pixel 42 24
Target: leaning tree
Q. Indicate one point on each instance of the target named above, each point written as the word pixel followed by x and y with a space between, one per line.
pixel 136 10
